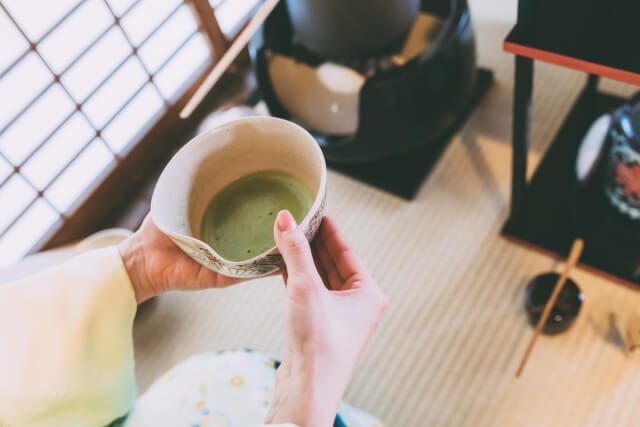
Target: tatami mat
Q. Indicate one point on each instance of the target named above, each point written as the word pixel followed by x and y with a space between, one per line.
pixel 446 352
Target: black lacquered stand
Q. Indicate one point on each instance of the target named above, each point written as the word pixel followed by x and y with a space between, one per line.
pixel 402 174
pixel 599 37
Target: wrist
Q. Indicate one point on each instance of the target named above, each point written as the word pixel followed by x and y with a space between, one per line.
pixel 305 395
pixel 132 255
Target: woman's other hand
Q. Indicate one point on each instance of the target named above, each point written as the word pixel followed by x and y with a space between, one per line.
pixel 332 309
pixel 155 265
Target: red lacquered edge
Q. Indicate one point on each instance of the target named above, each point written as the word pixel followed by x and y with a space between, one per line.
pixel 569 62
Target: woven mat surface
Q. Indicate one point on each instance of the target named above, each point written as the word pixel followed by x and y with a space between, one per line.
pixel 446 352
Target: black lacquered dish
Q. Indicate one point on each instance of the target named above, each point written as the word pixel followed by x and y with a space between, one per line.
pixel 564 311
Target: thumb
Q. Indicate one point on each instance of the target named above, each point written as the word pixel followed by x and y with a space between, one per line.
pixel 294 247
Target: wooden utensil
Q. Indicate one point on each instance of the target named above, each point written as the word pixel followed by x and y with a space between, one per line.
pixel 574 256
pixel 230 55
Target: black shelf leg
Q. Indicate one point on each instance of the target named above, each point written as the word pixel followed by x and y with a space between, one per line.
pixel 521 120
pixel 592 83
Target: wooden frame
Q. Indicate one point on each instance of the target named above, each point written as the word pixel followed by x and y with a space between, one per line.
pixel 132 168
pixel 152 150
pixel 130 172
pixel 207 20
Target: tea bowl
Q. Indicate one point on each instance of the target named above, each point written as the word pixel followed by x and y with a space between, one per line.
pixel 216 158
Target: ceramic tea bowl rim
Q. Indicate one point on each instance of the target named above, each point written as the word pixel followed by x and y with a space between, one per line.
pixel 316 209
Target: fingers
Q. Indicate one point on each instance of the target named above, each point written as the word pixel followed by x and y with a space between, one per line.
pixel 334 280
pixel 294 248
pixel 344 257
pixel 206 278
pixel 319 266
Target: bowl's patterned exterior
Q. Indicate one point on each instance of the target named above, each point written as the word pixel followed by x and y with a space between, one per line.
pixel 261 265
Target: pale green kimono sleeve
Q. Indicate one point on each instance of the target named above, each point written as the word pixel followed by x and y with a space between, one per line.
pixel 66 346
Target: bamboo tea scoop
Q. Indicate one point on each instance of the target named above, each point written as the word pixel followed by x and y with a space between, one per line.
pixel 574 256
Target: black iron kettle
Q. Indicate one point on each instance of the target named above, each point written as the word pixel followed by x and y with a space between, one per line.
pixel 351 29
pixel 400 109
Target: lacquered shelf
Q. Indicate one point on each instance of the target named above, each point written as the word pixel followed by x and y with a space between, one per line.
pixel 595 36
pixel 600 38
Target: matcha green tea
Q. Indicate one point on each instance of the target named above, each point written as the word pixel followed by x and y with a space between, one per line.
pixel 238 223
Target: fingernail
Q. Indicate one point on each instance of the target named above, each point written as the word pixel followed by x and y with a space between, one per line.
pixel 285 221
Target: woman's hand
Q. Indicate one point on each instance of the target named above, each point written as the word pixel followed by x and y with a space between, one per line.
pixel 155 265
pixel 332 309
